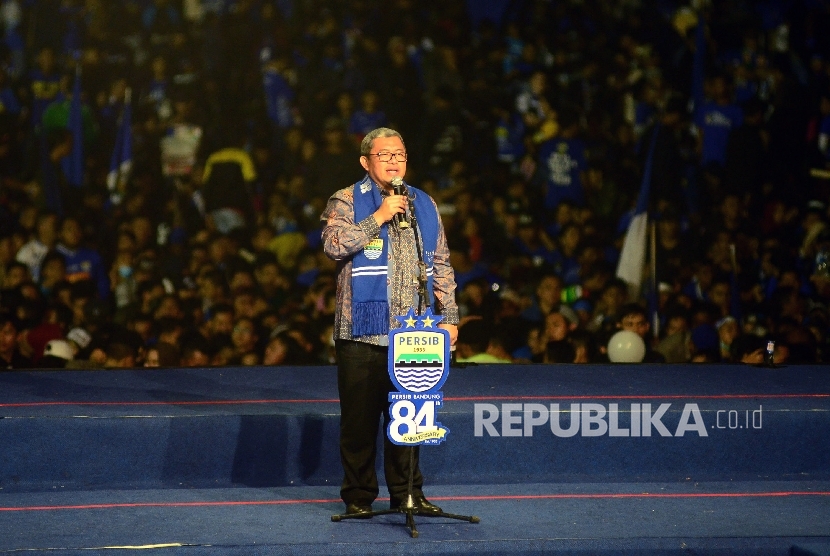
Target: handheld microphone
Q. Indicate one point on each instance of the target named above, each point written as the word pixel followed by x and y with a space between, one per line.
pixel 399 219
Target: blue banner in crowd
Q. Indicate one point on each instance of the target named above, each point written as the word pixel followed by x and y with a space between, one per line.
pixel 121 161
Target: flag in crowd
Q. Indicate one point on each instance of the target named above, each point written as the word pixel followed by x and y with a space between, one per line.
pixel 121 161
pixel 633 254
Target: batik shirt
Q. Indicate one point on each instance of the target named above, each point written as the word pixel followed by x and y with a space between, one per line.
pixel 342 238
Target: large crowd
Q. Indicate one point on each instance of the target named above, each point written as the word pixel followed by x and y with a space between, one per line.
pixel 533 123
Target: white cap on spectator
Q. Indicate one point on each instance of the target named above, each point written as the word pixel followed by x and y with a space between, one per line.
pixel 59 348
pixel 80 336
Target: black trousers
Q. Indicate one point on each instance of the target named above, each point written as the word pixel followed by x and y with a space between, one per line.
pixel 364 385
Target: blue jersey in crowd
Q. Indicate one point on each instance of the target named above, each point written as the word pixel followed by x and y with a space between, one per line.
pixel 716 122
pixel 86 264
pixel 562 161
pixel 278 98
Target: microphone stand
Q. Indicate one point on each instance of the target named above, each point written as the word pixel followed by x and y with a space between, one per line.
pixel 408 508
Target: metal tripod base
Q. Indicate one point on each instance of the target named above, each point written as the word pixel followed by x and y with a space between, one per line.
pixel 410 511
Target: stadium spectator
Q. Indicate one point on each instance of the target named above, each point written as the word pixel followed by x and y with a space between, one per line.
pixel 475 343
pixel 84 265
pixel 10 356
pixel 230 145
pixel 634 317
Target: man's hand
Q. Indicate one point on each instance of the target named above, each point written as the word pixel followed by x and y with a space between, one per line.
pixel 452 329
pixel 391 205
pixel 754 358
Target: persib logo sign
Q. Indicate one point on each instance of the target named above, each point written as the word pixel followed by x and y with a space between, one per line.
pixel 418 367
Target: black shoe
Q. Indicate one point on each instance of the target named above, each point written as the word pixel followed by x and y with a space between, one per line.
pixel 422 505
pixel 358 511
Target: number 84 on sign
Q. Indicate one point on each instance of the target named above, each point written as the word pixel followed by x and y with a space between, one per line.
pixel 413 420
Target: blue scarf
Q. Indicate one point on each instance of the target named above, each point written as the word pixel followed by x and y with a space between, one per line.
pixel 372 266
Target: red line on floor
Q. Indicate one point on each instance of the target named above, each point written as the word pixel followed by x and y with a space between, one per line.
pixel 449 398
pixel 499 497
pixel 644 397
pixel 637 495
pixel 201 402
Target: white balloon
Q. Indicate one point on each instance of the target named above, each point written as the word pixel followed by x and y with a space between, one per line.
pixel 626 347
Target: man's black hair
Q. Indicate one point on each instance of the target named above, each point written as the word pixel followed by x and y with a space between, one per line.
pixel 476 334
pixel 560 351
pixel 632 309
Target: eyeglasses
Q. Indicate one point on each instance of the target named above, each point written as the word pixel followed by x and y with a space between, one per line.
pixel 387 157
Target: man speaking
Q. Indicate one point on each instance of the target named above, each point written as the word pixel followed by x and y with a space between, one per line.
pixel 368 232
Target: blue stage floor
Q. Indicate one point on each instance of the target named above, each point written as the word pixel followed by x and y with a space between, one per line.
pixel 740 518
pixel 244 461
